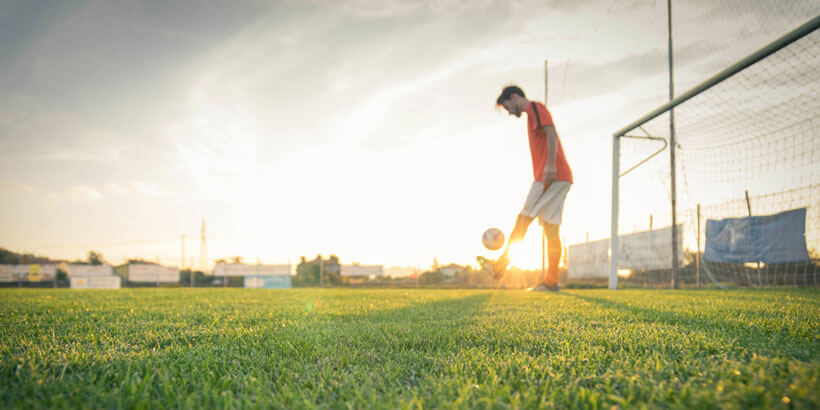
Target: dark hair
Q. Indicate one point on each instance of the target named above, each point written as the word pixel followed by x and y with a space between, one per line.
pixel 507 93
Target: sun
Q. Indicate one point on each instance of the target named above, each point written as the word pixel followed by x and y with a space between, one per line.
pixel 526 254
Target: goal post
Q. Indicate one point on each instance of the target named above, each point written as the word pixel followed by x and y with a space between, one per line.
pixel 752 126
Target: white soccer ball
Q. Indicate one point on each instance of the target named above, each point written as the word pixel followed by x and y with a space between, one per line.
pixel 493 239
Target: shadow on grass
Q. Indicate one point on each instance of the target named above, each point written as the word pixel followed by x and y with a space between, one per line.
pixel 761 340
pixel 316 360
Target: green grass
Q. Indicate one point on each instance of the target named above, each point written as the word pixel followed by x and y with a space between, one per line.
pixel 149 348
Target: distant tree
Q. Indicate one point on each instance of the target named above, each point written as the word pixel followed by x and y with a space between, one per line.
pixel 318 271
pixel 95 258
pixel 200 278
pixel 8 257
pixel 432 278
pixel 234 259
pixel 62 277
pixel 140 260
pixel 307 274
pixel 464 277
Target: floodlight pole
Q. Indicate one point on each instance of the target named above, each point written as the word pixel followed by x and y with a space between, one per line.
pixel 546 83
pixel 672 152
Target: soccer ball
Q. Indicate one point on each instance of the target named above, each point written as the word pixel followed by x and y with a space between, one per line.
pixel 493 239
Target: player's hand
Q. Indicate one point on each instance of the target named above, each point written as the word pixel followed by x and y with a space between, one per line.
pixel 546 185
pixel 550 173
pixel 549 176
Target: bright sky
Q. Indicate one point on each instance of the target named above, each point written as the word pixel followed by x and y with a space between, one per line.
pixel 361 128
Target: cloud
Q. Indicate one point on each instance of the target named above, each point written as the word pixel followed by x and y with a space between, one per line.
pixel 134 188
pixel 116 189
pixel 143 188
pixel 18 187
pixel 83 193
pixel 574 80
pixel 390 9
pixel 89 48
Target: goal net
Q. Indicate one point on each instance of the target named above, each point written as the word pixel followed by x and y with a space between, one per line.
pixel 747 169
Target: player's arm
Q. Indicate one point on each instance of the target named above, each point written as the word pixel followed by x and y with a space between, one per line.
pixel 551 167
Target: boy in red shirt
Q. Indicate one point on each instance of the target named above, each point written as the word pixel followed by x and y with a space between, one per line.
pixel 552 180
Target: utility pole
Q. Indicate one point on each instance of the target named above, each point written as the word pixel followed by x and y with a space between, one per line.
pixel 182 257
pixel 203 249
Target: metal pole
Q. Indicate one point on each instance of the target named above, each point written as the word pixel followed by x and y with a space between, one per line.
pixel 697 255
pixel 586 275
pixel 749 209
pixel 613 234
pixel 182 258
pixel 672 152
pixel 546 83
pixel 651 246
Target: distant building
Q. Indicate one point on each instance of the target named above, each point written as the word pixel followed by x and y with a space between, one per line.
pixel 452 270
pixel 400 271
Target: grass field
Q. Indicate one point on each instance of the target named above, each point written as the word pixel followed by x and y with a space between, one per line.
pixel 149 348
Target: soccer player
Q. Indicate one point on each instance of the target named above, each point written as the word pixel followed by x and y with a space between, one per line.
pixel 552 180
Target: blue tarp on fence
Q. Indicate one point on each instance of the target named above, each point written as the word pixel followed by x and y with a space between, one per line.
pixel 268 282
pixel 778 238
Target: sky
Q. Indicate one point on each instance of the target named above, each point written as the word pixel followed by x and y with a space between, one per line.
pixel 364 129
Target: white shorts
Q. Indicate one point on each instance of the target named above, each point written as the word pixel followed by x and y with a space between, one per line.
pixel 546 206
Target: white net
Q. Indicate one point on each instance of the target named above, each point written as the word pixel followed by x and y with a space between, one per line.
pixel 755 135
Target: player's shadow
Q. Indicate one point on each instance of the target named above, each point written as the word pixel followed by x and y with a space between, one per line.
pixel 763 340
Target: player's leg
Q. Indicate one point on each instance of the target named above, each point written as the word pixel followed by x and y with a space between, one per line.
pixel 522 223
pixel 552 232
pixel 550 210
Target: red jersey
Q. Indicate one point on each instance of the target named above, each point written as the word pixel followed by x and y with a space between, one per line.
pixel 538 117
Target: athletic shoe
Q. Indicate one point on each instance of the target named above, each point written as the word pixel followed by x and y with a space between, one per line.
pixel 494 268
pixel 486 264
pixel 545 288
pixel 500 268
